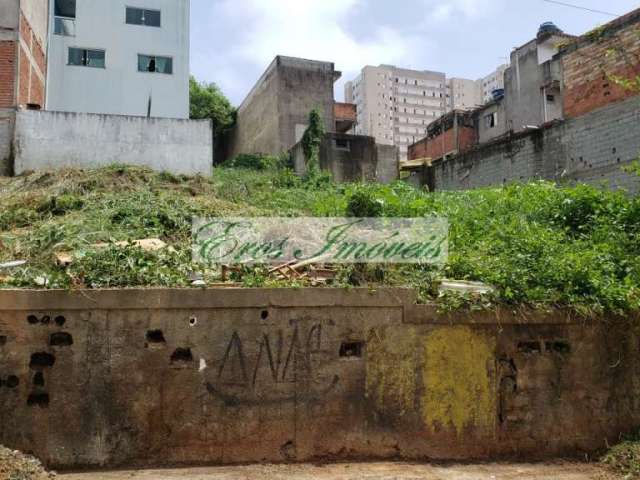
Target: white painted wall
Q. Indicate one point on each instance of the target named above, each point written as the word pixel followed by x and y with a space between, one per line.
pixel 119 88
pixel 53 140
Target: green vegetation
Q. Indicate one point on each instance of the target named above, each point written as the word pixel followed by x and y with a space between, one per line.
pixel 311 141
pixel 624 459
pixel 208 102
pixel 538 244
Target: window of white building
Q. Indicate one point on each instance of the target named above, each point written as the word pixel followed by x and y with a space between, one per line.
pixel 84 57
pixel 143 16
pixel 155 64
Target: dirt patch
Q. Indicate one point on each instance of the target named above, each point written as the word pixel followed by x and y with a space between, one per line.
pixel 362 471
pixel 17 466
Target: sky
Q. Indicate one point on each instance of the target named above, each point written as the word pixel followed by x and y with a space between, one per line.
pixel 233 41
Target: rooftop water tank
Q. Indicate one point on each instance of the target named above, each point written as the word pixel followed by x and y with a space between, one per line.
pixel 548 27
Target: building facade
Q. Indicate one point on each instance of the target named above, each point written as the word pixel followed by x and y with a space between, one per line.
pixel 493 81
pixel 123 57
pixel 23 47
pixel 463 94
pixel 395 105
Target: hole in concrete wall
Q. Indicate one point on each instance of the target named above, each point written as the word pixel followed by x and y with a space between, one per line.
pixel 351 349
pixel 193 321
pixel 38 379
pixel 561 347
pixel 46 320
pixel 38 400
pixel 13 381
pixel 41 360
pixel 614 150
pixel 3 340
pixel 155 336
pixel 264 314
pixel 60 339
pixel 182 355
pixel 288 451
pixel 60 320
pixel 529 347
pixel 32 319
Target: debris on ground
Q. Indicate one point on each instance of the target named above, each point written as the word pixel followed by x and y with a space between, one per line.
pixel 64 259
pixel 462 286
pixel 13 264
pixel 17 466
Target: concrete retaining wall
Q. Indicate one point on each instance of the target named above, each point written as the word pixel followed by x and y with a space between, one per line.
pixel 159 377
pixel 51 140
pixel 592 149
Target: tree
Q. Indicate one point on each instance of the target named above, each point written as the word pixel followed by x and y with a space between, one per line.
pixel 208 102
pixel 311 141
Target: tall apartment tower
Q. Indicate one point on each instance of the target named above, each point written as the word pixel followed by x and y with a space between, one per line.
pixel 395 105
pixel 493 81
pixel 463 94
pixel 124 57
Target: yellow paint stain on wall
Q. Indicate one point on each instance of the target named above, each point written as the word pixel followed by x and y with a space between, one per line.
pixel 458 378
pixel 391 371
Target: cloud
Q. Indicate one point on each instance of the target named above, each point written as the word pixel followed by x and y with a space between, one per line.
pixel 314 29
pixel 440 11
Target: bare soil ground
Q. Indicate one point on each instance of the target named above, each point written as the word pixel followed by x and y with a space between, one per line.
pixel 362 471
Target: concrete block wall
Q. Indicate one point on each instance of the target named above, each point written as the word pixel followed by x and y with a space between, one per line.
pixel 592 149
pixel 125 378
pixel 53 140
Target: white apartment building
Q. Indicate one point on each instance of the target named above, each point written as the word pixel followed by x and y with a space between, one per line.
pixel 463 94
pixel 395 105
pixel 493 81
pixel 124 57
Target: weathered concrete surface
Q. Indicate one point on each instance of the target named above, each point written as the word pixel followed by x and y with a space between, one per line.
pixel 124 378
pixel 367 471
pixel 52 140
pixel 275 114
pixel 352 158
pixel 7 120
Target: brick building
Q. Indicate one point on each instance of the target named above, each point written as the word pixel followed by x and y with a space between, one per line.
pixel 23 46
pixel 592 63
pixel 452 133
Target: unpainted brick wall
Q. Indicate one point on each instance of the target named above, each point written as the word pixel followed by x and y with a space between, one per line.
pixel 32 67
pixel 589 65
pixel 592 149
pixel 7 73
pixel 442 144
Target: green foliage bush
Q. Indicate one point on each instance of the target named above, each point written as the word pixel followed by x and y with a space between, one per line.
pixel 538 244
pixel 259 162
pixel 624 459
pixel 206 101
